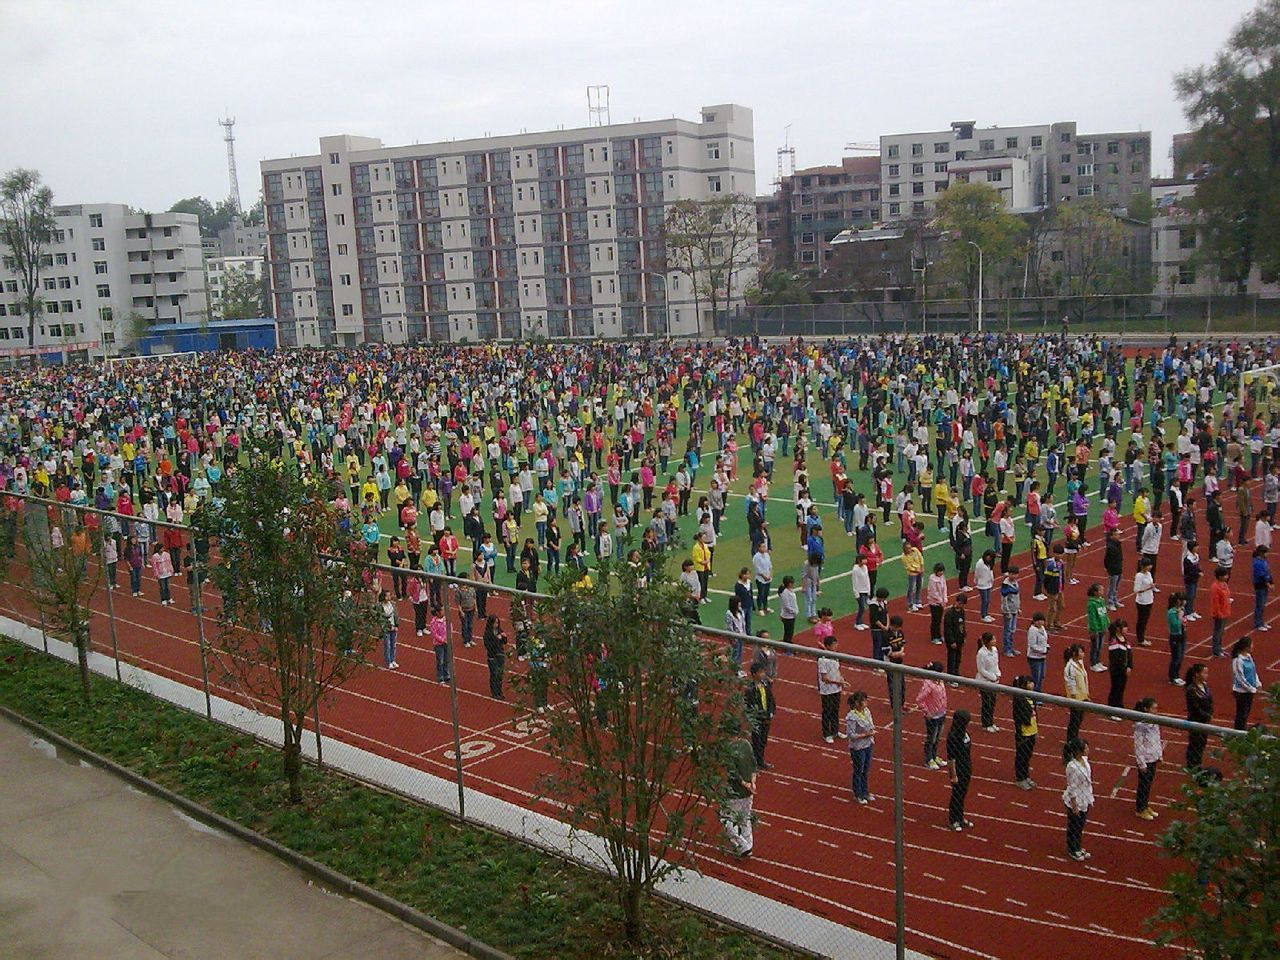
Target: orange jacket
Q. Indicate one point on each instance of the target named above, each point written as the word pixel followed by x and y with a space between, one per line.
pixel 1220 600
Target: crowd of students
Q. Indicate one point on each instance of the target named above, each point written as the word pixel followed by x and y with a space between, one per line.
pixel 602 447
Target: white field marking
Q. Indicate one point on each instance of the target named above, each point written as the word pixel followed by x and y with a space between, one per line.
pixel 1060 916
pixel 934 876
pixel 965 886
pixel 828 843
pixel 1018 849
pixel 1016 903
pixel 794 833
pixel 1123 776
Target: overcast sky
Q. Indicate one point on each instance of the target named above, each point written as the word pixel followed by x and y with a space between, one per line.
pixel 118 101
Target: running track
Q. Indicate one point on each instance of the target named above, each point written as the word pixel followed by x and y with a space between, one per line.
pixel 1004 889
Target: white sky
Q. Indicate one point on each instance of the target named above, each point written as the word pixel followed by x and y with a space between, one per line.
pixel 118 100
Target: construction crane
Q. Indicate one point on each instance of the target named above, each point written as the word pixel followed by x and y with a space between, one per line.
pixel 858 147
pixel 786 158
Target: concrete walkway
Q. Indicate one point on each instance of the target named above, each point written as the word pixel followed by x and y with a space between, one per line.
pixel 90 867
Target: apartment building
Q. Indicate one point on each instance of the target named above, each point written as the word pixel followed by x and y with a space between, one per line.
pixel 812 206
pixel 105 264
pixel 239 239
pixel 219 270
pixel 1032 167
pixel 553 234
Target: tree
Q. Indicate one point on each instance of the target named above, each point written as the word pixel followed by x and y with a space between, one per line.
pixel 712 242
pixel 778 287
pixel 1093 244
pixel 138 327
pixel 26 230
pixel 969 213
pixel 1224 904
pixel 863 271
pixel 63 581
pixel 1234 102
pixel 214 218
pixel 641 745
pixel 241 294
pixel 293 625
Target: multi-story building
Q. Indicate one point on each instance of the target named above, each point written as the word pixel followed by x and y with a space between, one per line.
pixel 812 206
pixel 106 267
pixel 1175 238
pixel 1033 167
pixel 552 234
pixel 219 270
pixel 238 239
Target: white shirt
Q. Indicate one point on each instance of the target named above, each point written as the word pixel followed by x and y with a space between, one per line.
pixel 1144 588
pixel 983 576
pixel 1078 795
pixel 762 564
pixel 828 675
pixel 989 664
pixel 861 578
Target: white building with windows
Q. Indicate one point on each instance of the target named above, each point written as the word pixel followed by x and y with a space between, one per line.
pixel 555 234
pixel 1049 164
pixel 105 264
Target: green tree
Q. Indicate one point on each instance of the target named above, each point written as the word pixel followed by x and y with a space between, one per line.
pixel 241 294
pixel 648 711
pixel 1224 901
pixel 214 217
pixel 1094 250
pixel 1234 102
pixel 779 286
pixel 974 213
pixel 293 625
pixel 62 580
pixel 712 242
pixel 26 230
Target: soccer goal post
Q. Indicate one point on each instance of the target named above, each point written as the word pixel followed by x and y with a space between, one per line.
pixel 167 357
pixel 1260 388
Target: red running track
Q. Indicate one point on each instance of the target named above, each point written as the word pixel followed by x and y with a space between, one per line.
pixel 1001 890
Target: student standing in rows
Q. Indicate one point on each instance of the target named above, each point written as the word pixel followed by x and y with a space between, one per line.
pixel 1191 574
pixel 495 642
pixel 1244 680
pixel 960 757
pixel 984 580
pixel 761 706
pixel 1177 637
pixel 390 627
pixel 895 650
pixel 988 670
pixel 1078 795
pixel 1220 608
pixel 1025 729
pixel 879 621
pixel 1144 597
pixel 1148 751
pixel 1010 606
pixel 860 581
pixel 162 570
pixel 953 634
pixel 1097 621
pixel 1119 662
pixel 860 728
pixel 1113 564
pixel 830 683
pixel 1075 680
pixel 1261 584
pixel 931 700
pixel 788 608
pixel 1199 710
pixel 1037 650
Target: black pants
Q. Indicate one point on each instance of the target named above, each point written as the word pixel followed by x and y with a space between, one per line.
pixel 1119 680
pixel 954 653
pixel 1145 778
pixel 1073 724
pixel 1023 749
pixel 830 714
pixel 1177 650
pixel 760 740
pixel 496 666
pixel 1144 617
pixel 988 708
pixel 1244 703
pixel 788 630
pixel 959 790
pixel 419 617
pixel 935 622
pixel 1195 749
pixel 1075 828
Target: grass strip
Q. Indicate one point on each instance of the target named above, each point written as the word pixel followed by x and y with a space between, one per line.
pixel 502 892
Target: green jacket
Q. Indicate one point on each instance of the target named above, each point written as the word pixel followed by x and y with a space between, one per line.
pixel 1098 620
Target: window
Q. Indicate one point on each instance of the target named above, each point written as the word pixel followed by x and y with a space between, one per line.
pixel 1187 238
pixel 807 256
pixel 1186 274
pixel 342 249
pixel 893 169
pixel 99 244
pixel 336 188
pixel 893 150
pixel 995 176
pixel 340 219
pixel 1037 142
pixel 939 168
pixel 104 290
pixel 1065 178
pixel 333 158
pixel 713 184
pixel 95 220
pixel 1113 147
pixel 344 279
pixel 1084 169
pixel 917 149
pixel 1011 143
pixel 806 238
pixel 917 206
pixel 893 189
pixel 917 188
pixel 893 209
pixel 917 169
pixel 60 259
pixel 1136 167
pixel 347 310
pixel 1056 256
pixel 939 185
pixel 1064 137
pixel 99 266
pixel 713 150
pixel 986 144
pixel 941 147
pixel 1084 190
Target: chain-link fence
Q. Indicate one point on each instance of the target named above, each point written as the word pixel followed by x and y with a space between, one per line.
pixel 1133 316
pixel 883 827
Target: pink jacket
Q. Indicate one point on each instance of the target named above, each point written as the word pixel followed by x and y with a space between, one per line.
pixel 932 698
pixel 935 593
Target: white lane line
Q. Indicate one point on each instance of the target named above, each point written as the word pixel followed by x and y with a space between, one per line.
pixel 934 876
pixel 1060 916
pixel 1124 775
pixel 1016 903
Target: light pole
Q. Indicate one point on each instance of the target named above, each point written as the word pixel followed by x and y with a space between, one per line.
pixel 979 249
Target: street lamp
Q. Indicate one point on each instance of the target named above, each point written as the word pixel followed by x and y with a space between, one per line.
pixel 979 249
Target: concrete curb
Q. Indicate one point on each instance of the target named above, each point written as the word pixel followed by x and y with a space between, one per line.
pixel 325 875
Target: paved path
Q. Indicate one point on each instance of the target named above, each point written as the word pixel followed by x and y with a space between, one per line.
pixel 90 867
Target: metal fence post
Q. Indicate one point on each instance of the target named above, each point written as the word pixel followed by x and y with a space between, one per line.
pixel 111 615
pixel 453 710
pixel 899 867
pixel 204 660
pixel 44 635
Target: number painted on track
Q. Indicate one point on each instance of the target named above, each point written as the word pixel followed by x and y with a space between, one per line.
pixel 471 749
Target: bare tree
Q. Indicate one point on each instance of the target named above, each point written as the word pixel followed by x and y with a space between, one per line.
pixel 712 242
pixel 26 230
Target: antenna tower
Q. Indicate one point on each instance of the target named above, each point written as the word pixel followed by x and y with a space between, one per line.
pixel 230 138
pixel 598 105
pixel 786 158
